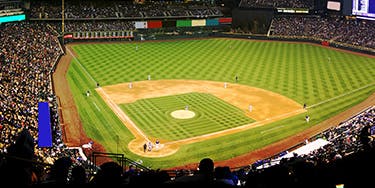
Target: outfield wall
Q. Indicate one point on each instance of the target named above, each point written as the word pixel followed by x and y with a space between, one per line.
pixel 207 33
pixel 186 30
pixel 151 24
pixel 299 39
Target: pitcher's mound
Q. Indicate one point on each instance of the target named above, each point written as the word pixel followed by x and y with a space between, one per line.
pixel 183 114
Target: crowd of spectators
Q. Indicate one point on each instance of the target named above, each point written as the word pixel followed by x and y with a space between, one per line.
pixel 277 4
pixel 115 9
pixel 99 25
pixel 349 137
pixel 27 56
pixel 334 28
pixel 27 59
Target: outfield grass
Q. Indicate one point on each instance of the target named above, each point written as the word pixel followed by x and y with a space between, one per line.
pixel 301 72
pixel 211 115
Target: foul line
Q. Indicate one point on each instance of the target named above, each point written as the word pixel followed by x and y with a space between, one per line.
pixel 331 99
pixel 131 125
pixel 96 106
pixel 79 63
pixel 236 129
pixel 262 132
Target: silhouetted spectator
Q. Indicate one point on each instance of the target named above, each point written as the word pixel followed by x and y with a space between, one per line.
pixel 59 172
pixel 204 176
pixel 110 173
pixel 365 137
pixel 149 178
pixel 18 172
pixel 79 176
pixel 224 177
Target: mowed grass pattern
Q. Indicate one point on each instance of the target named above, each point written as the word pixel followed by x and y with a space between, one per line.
pixel 211 115
pixel 299 71
pixel 302 72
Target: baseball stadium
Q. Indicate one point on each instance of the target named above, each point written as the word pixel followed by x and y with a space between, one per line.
pixel 173 93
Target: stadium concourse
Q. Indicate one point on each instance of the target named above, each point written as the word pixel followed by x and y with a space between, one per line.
pixel 30 51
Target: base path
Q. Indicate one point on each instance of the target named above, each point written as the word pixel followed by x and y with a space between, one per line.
pixel 266 107
pixel 287 143
pixel 265 104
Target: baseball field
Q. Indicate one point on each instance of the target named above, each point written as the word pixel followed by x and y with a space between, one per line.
pixel 185 94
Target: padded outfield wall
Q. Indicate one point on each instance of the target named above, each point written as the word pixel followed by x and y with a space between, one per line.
pixel 151 24
pixel 144 28
pixel 298 39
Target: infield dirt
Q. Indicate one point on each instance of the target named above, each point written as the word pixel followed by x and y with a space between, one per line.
pixel 267 107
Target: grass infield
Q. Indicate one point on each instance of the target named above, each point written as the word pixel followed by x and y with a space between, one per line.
pixel 329 81
pixel 211 115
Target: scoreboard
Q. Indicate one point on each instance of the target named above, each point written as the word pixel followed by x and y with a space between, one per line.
pixel 364 9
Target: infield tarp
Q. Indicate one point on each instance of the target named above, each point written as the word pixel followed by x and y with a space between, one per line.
pixel 304 150
pixel 308 148
pixel 44 125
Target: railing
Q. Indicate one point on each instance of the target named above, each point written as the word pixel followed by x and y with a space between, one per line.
pixel 123 161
